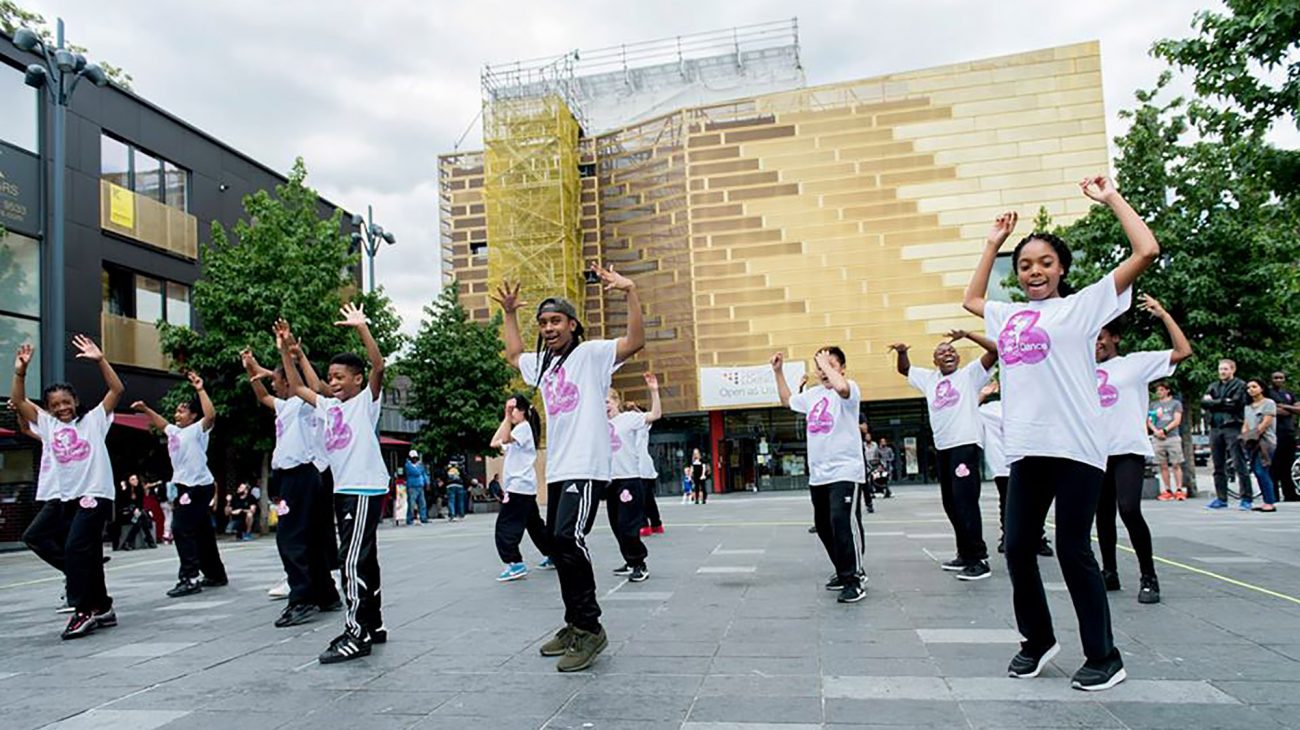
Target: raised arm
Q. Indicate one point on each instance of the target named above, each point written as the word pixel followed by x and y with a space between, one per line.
pixel 88 350
pixel 289 354
pixel 502 436
pixel 255 375
pixel 978 288
pixel 838 382
pixel 155 420
pixel 904 362
pixel 27 410
pixel 782 387
pixel 634 339
pixel 209 410
pixel 510 303
pixel 990 356
pixel 355 317
pixel 656 407
pixel 1145 248
pixel 1182 348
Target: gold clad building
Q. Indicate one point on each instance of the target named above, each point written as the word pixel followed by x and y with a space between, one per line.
pixel 848 214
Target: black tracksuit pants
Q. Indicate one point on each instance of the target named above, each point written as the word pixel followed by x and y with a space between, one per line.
pixel 519 514
pixel 650 504
pixel 624 503
pixel 194 535
pixel 358 518
pixel 1035 482
pixel 959 489
pixel 1122 487
pixel 304 541
pixel 570 513
pixel 47 534
pixel 837 515
pixel 83 553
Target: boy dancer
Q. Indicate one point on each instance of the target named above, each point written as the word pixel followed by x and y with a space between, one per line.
pixel 626 499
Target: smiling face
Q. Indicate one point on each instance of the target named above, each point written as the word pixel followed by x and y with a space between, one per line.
pixel 344 382
pixel 556 330
pixel 946 358
pixel 62 405
pixel 183 416
pixel 1107 345
pixel 1039 270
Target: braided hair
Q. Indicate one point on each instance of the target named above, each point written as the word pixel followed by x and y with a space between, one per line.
pixel 1059 247
pixel 549 359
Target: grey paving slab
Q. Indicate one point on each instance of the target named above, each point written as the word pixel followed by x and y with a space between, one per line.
pixel 143 649
pixel 120 720
pixel 757 709
pixel 969 636
pixel 996 715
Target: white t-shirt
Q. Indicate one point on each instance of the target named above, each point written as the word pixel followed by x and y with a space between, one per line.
pixel 296 435
pixel 953 402
pixel 351 444
pixel 520 464
pixel 47 485
pixel 577 429
pixel 1124 396
pixel 1049 385
pixel 994 454
pixel 188 448
pixel 834 443
pixel 644 460
pixel 79 463
pixel 624 445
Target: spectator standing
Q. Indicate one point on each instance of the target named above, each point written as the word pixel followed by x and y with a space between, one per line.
pixel 457 495
pixel 1224 403
pixel 417 479
pixel 1165 423
pixel 699 478
pixel 1259 438
pixel 887 458
pixel 1287 410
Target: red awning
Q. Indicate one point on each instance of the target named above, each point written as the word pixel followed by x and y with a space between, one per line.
pixel 6 433
pixel 137 421
pixel 390 441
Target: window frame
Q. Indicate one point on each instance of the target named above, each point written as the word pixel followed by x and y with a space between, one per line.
pixel 131 308
pixel 163 164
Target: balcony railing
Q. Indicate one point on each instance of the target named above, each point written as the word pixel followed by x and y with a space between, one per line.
pixel 132 342
pixel 146 220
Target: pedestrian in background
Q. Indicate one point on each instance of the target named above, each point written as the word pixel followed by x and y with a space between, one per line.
pixel 1224 403
pixel 417 479
pixel 1287 410
pixel 1259 441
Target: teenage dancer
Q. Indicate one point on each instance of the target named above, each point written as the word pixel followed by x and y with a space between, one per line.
pixel 84 477
pixel 950 397
pixel 649 480
pixel 996 457
pixel 516 437
pixel 47 532
pixel 1122 390
pixel 573 375
pixel 1053 426
pixel 192 530
pixel 350 419
pixel 625 499
pixel 835 465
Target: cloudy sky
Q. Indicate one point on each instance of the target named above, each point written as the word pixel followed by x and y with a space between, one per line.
pixel 370 93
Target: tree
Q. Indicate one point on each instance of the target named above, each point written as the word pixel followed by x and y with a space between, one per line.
pixel 458 379
pixel 13 17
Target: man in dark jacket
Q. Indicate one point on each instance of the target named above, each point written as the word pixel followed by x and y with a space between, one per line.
pixel 1224 404
pixel 1287 410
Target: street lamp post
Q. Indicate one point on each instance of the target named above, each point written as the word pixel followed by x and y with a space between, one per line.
pixel 59 76
pixel 370 237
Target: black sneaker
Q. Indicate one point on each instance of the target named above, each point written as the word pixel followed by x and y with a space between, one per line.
pixel 79 625
pixel 296 615
pixel 625 570
pixel 378 636
pixel 978 570
pixel 106 619
pixel 1111 579
pixel 835 583
pixel 332 606
pixel 207 582
pixel 1002 545
pixel 345 647
pixel 1150 592
pixel 1027 664
pixel 184 587
pixel 639 574
pixel 812 530
pixel 1045 548
pixel 1095 677
pixel 954 565
pixel 852 593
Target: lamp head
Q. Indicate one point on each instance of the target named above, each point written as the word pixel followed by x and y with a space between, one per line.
pixel 376 231
pixel 95 75
pixel 26 40
pixel 36 76
pixel 64 60
pixel 357 219
pixel 390 238
pixel 356 241
pixel 78 62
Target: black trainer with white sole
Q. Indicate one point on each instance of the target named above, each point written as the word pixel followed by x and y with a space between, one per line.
pixel 79 625
pixel 639 574
pixel 185 587
pixel 1028 664
pixel 1098 676
pixel 105 619
pixel 345 647
pixel 852 593
pixel 625 570
pixel 954 565
pixel 978 570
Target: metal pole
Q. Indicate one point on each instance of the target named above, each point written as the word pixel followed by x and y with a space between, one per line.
pixel 58 326
pixel 371 246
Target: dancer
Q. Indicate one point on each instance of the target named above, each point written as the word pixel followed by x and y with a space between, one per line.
pixel 516 439
pixel 82 474
pixel 1122 390
pixel 573 375
pixel 649 480
pixel 1052 426
pixel 625 499
pixel 954 419
pixel 192 531
pixel 47 532
pixel 350 419
pixel 996 458
pixel 836 468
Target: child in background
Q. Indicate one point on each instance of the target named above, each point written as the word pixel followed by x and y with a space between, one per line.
pixel 687 487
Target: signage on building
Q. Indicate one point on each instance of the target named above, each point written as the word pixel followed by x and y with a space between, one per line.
pixel 20 195
pixel 121 206
pixel 746 385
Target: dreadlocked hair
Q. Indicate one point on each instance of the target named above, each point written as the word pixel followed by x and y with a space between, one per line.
pixel 549 359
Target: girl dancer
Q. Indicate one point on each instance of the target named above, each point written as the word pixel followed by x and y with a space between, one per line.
pixel 516 439
pixel 360 477
pixel 1122 390
pixel 954 419
pixel 83 475
pixel 836 468
pixel 1053 427
pixel 573 375
pixel 649 479
pixel 625 499
pixel 192 530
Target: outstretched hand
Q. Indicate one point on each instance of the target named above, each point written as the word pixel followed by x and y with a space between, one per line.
pixel 1002 228
pixel 283 334
pixel 1150 304
pixel 140 407
pixel 954 335
pixel 612 279
pixel 900 347
pixel 23 358
pixel 88 350
pixel 508 297
pixel 195 381
pixel 777 361
pixel 1099 188
pixel 652 381
pixel 353 316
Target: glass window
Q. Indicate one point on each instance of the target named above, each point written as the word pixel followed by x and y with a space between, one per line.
pixel 117 291
pixel 177 182
pixel 20 275
pixel 998 291
pixel 148 299
pixel 15 331
pixel 147 175
pixel 178 304
pixel 115 162
pixel 19 101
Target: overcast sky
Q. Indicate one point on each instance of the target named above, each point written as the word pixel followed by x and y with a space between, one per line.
pixel 370 93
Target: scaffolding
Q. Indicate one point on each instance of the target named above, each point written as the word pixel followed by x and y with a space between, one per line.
pixel 531 194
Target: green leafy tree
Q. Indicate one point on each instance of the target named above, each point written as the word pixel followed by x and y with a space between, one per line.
pixel 13 17
pixel 458 379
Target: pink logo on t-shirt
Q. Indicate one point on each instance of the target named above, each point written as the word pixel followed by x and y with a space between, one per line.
pixel 615 443
pixel 819 418
pixel 946 395
pixel 1023 343
pixel 279 427
pixel 561 396
pixel 625 496
pixel 962 471
pixel 282 508
pixel 68 446
pixel 1108 393
pixel 173 444
pixel 46 462
pixel 337 433
pixel 89 502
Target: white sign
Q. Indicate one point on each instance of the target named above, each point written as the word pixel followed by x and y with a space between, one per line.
pixel 745 386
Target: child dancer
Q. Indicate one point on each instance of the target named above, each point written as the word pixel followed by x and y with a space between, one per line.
pixel 1053 427
pixel 625 499
pixel 519 513
pixel 47 532
pixel 360 478
pixel 649 479
pixel 1122 389
pixel 835 465
pixel 573 375
pixel 954 419
pixel 192 530
pixel 82 475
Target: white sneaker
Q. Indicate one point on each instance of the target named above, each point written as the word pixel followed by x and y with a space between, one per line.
pixel 279 590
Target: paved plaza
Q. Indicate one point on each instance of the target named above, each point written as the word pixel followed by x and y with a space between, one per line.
pixel 733 631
